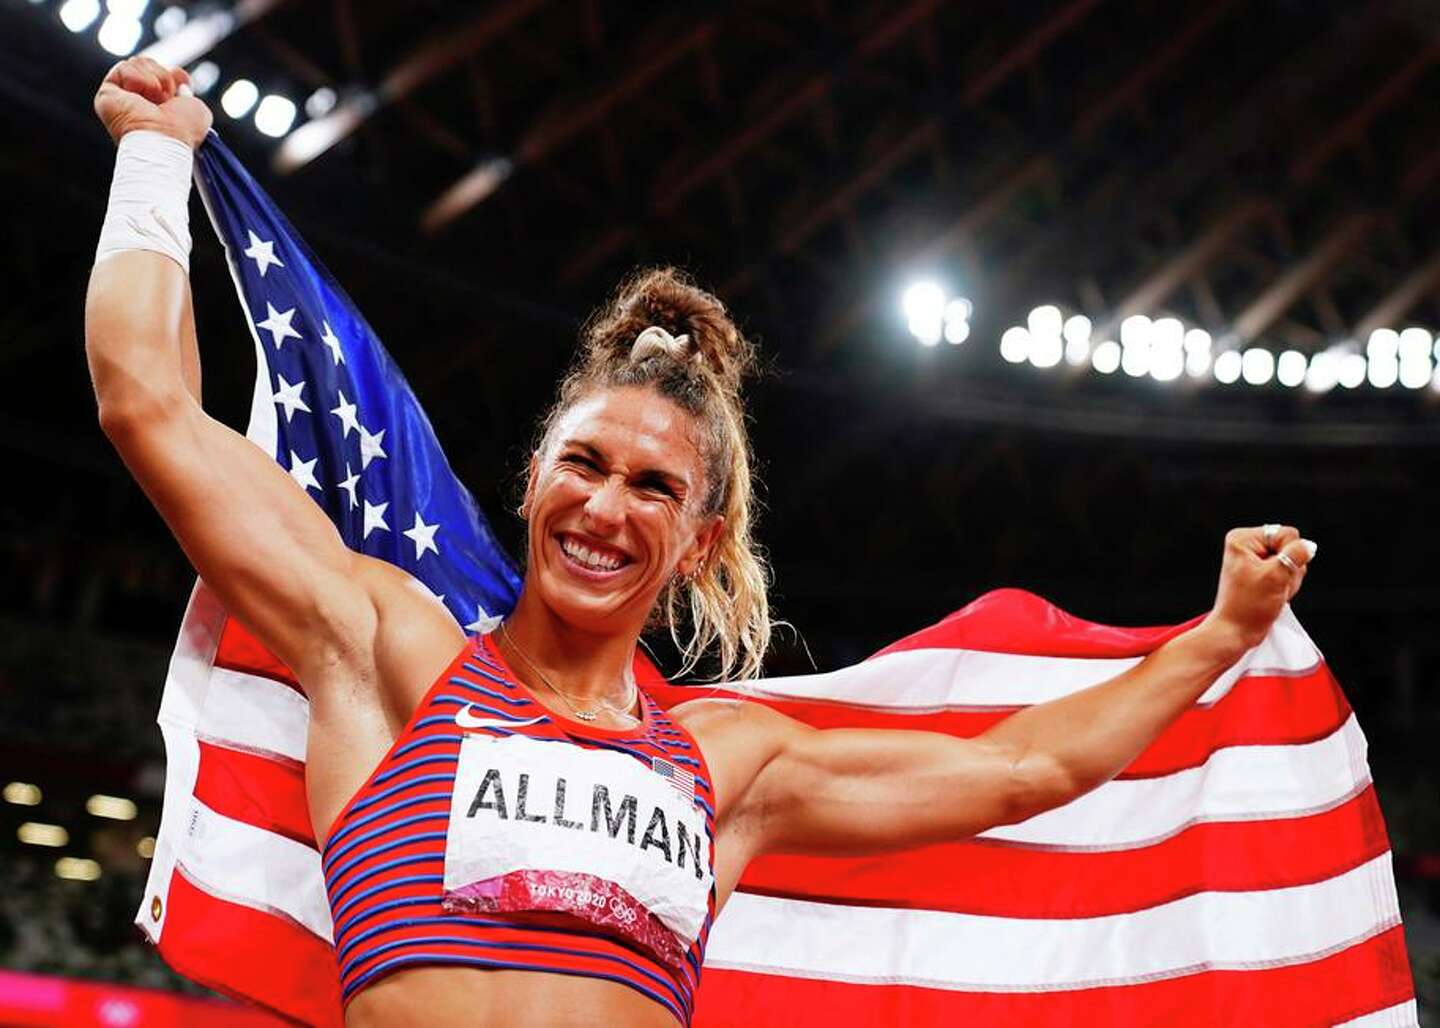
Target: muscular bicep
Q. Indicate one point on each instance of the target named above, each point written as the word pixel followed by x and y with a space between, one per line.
pixel 853 791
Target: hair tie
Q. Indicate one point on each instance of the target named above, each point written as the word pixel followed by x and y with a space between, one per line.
pixel 655 340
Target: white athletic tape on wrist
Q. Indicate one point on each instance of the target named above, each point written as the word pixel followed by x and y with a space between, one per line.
pixel 149 198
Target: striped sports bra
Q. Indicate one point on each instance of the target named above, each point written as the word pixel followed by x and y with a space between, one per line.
pixel 496 834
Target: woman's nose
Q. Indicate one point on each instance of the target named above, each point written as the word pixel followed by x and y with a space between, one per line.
pixel 606 505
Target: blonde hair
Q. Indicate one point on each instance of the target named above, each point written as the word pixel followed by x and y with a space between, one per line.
pixel 725 602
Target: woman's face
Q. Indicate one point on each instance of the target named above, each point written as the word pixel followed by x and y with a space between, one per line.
pixel 614 509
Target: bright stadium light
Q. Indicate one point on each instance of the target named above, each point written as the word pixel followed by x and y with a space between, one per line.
pixel 1197 363
pixel 1045 321
pixel 1351 371
pixel 1382 371
pixel 1257 365
pixel 1290 368
pixel 1197 340
pixel 119 34
pixel 1135 360
pixel 79 15
pixel 1045 349
pixel 1106 357
pixel 204 76
pixel 1415 374
pixel 956 331
pixel 127 8
pixel 923 300
pixel 77 869
pixel 1167 361
pixel 1321 376
pixel 1015 344
pixel 1135 331
pixel 320 103
pixel 1227 367
pixel 275 115
pixel 1167 331
pixel 1384 343
pixel 169 21
pixel 22 794
pixel 1077 329
pixel 237 100
pixel 116 808
pixel 1415 344
pixel 36 833
pixel 1077 351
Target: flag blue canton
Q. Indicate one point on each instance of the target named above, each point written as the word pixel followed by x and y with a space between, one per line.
pixel 347 426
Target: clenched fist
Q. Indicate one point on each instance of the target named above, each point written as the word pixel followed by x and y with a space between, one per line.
pixel 141 93
pixel 1256 581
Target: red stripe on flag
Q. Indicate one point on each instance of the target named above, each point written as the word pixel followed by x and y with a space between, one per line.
pixel 1004 880
pixel 1368 976
pixel 258 790
pixel 247 954
pixel 1016 621
pixel 239 650
pixel 1259 710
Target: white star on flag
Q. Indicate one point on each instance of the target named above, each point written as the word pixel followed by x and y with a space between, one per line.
pixel 370 446
pixel 483 622
pixel 289 397
pixel 277 323
pixel 328 338
pixel 423 536
pixel 375 518
pixel 346 413
pixel 303 471
pixel 348 484
pixel 262 253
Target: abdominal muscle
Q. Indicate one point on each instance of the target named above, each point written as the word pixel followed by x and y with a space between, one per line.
pixel 437 997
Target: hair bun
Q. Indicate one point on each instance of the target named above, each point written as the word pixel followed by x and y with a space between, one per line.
pixel 666 300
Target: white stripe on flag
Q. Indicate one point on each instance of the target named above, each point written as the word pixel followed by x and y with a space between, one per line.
pixel 1236 783
pixel 256 714
pixel 935 949
pixel 933 679
pixel 256 868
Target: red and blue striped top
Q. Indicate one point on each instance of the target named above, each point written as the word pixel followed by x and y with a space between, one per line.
pixel 384 858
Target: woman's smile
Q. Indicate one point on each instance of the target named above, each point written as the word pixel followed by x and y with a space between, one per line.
pixel 591 559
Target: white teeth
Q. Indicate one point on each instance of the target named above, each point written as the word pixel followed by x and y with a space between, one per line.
pixel 588 557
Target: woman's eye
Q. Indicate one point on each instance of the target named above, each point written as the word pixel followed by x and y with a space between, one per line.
pixel 577 459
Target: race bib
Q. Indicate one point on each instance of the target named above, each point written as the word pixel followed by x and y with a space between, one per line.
pixel 595 833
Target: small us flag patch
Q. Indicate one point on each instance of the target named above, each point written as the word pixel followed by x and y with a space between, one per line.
pixel 680 780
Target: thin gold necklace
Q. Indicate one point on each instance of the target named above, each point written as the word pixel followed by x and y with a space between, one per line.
pixel 583 715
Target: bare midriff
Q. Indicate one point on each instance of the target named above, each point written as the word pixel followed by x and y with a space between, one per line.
pixel 438 997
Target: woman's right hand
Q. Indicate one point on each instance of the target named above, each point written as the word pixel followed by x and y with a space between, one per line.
pixel 141 93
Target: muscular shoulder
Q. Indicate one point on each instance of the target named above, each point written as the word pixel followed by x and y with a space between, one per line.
pixel 739 738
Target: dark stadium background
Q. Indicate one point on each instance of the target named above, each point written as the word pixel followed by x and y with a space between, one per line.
pixel 1278 161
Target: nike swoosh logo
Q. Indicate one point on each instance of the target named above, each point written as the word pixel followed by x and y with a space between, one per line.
pixel 466 719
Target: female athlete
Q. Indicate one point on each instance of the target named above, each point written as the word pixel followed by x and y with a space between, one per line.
pixel 500 847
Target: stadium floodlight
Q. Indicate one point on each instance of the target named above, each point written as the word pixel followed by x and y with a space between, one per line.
pixel 1320 377
pixel 237 100
pixel 1045 348
pixel 1015 344
pixel 22 794
pixel 1414 344
pixel 79 15
pixel 77 869
pixel 204 76
pixel 957 330
pixel 145 848
pixel 1167 360
pixel 1077 330
pixel 275 115
pixel 1167 332
pixel 127 8
pixel 1415 374
pixel 36 833
pixel 1135 331
pixel 1197 363
pixel 1352 370
pixel 119 34
pixel 1106 357
pixel 1135 360
pixel 1045 321
pixel 1077 351
pixel 1257 365
pixel 1197 340
pixel 1384 343
pixel 169 21
pixel 1382 371
pixel 321 102
pixel 1227 367
pixel 116 808
pixel 924 306
pixel 1290 368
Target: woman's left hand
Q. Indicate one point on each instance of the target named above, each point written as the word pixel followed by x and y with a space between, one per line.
pixel 1255 582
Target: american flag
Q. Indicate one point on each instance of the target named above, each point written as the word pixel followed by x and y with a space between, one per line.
pixel 1238 872
pixel 680 780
